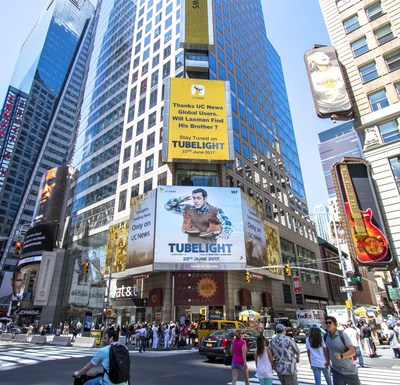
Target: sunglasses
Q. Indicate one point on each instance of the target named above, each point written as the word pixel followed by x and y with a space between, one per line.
pixel 329 322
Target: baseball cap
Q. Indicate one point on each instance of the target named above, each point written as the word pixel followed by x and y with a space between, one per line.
pixel 280 327
pixel 314 326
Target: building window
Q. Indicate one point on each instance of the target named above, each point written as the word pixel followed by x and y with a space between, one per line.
pixel 398 88
pixel 135 191
pixel 162 179
pixel 368 72
pixel 287 294
pixel 125 175
pixel 341 4
pixel 140 127
pixel 393 60
pixel 129 133
pixel 384 34
pixel 127 154
pixel 395 165
pixel 359 46
pixel 122 201
pixel 389 131
pixel 136 170
pixel 150 140
pixel 148 185
pixel 149 163
pixel 378 100
pixel 152 119
pixel 351 24
pixel 138 147
pixel 374 11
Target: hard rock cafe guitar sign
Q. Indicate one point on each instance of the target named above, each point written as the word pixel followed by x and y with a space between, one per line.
pixel 370 243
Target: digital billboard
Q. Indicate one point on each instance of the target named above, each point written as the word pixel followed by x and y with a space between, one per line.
pixel 141 233
pixel 199 228
pixel 197 121
pixel 364 226
pixel 274 255
pixel 50 199
pixel 328 85
pixel 117 246
pixel 197 24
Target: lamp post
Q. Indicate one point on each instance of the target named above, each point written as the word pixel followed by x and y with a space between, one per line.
pixel 109 286
pixel 341 260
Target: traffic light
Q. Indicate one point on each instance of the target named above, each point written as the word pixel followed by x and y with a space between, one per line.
pixel 356 278
pixel 86 267
pixel 17 248
pixel 248 277
pixel 287 269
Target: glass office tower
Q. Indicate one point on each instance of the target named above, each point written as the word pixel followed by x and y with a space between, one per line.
pixel 42 100
pixel 118 157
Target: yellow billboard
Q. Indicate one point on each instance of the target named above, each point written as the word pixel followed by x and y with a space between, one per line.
pixel 197 122
pixel 197 24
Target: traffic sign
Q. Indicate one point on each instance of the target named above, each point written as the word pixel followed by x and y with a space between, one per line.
pixel 347 289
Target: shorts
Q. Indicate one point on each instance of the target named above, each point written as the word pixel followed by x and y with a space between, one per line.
pixel 237 366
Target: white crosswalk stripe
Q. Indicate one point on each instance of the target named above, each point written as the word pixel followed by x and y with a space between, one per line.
pixel 368 376
pixel 10 357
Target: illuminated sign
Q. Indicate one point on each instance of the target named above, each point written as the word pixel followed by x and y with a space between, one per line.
pixel 327 83
pixel 197 121
pixel 197 24
pixel 364 228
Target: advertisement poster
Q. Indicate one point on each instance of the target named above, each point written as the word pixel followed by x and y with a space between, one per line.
pixel 117 246
pixel 254 235
pixel 274 256
pixel 141 232
pixel 197 121
pixel 199 229
pixel 46 272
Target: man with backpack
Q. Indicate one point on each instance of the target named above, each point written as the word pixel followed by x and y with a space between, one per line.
pixel 341 352
pixel 114 358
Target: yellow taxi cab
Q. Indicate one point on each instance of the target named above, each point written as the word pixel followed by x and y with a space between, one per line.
pixel 207 327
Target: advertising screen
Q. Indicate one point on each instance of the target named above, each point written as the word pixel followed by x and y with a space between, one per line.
pixel 327 82
pixel 197 121
pixel 364 230
pixel 199 228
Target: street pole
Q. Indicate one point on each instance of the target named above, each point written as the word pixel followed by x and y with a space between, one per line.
pixel 108 287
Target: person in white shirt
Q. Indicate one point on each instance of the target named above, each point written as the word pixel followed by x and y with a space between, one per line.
pixel 318 355
pixel 354 333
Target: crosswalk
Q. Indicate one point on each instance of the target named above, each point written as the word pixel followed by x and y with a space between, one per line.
pixel 13 356
pixel 368 376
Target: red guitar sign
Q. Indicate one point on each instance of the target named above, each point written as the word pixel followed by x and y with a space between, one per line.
pixel 370 243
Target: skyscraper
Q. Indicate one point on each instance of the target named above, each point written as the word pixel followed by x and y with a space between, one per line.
pixel 365 35
pixel 137 47
pixel 39 110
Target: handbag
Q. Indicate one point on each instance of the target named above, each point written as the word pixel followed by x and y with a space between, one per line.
pixel 227 360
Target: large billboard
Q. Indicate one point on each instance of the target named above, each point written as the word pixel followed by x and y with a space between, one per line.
pixel 197 24
pixel 364 227
pixel 117 246
pixel 53 188
pixel 197 121
pixel 199 228
pixel 328 85
pixel 141 233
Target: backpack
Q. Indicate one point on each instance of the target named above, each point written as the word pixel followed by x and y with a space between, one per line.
pixel 340 335
pixel 120 364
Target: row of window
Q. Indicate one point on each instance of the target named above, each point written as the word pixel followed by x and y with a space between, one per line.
pixel 372 12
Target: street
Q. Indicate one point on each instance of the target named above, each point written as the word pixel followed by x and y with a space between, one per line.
pixel 22 364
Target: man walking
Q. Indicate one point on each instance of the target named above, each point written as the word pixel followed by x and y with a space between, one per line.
pixel 354 334
pixel 142 333
pixel 341 352
pixel 286 354
pixel 102 357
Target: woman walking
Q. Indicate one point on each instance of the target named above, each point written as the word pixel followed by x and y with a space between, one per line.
pixel 238 352
pixel 264 362
pixel 318 355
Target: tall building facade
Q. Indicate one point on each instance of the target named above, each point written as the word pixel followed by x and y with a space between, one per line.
pixel 39 111
pixel 321 218
pixel 118 158
pixel 366 37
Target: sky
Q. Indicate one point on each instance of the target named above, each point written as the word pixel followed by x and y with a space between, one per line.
pixel 292 27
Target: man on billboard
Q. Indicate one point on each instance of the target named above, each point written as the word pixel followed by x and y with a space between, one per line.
pixel 202 222
pixel 16 284
pixel 51 194
pixel 330 91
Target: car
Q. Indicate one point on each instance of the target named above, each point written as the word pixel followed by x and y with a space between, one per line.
pixel 300 333
pixel 218 343
pixel 207 327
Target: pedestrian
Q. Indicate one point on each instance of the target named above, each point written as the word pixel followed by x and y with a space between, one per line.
pixel 393 339
pixel 29 331
pixel 341 352
pixel 286 355
pixel 166 337
pixel 264 362
pixel 155 337
pixel 142 333
pixel 366 336
pixel 354 333
pixel 238 351
pixel 102 357
pixel 318 355
pixel 74 334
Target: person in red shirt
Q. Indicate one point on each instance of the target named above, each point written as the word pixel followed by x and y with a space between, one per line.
pixel 238 352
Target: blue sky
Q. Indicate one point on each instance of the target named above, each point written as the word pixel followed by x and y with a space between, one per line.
pixel 292 27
